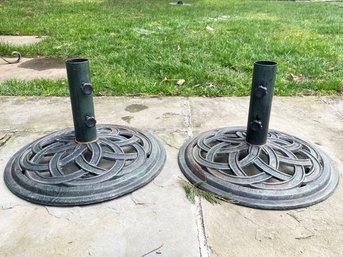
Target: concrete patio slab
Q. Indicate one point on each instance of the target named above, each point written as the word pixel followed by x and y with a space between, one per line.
pixel 54 113
pixel 318 120
pixel 21 40
pixel 33 68
pixel 158 220
pixel 130 226
pixel 315 231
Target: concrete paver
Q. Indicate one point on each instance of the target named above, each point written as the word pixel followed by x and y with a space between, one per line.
pixel 30 68
pixel 130 226
pixel 53 113
pixel 159 214
pixel 20 40
pixel 33 68
pixel 314 231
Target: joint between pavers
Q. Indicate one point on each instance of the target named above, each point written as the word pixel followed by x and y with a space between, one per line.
pixel 6 138
pixel 188 114
pixel 202 235
pixel 23 131
pixel 169 130
pixel 331 105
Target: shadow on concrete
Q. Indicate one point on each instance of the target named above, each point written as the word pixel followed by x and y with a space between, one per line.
pixel 43 63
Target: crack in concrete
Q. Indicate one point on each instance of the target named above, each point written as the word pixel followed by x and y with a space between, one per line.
pixel 168 144
pixel 8 130
pixel 203 246
pixel 331 105
pixel 188 119
pixel 114 210
pixel 253 222
pixel 139 202
pixel 202 237
pixel 25 131
pixel 292 215
pixel 55 216
pixel 312 234
pixel 5 138
pixel 156 250
pixel 161 186
pixel 247 218
pixel 151 130
pixel 9 207
pixel 135 201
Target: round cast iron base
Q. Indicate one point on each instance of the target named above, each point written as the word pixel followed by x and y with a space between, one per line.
pixel 55 170
pixel 285 173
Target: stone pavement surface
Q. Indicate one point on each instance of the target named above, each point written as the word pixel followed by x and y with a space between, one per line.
pixel 158 220
pixel 21 40
pixel 33 68
pixel 30 68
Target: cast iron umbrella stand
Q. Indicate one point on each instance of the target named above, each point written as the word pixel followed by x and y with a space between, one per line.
pixel 87 164
pixel 257 167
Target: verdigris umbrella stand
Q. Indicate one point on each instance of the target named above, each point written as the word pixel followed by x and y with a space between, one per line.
pixel 257 167
pixel 88 164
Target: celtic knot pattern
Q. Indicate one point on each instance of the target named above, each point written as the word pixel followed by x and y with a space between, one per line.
pixel 120 161
pixel 285 168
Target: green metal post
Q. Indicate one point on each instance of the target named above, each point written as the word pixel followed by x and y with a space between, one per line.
pixel 80 89
pixel 261 96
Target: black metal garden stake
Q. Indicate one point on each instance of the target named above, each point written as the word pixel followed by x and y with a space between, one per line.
pixel 255 166
pixel 88 164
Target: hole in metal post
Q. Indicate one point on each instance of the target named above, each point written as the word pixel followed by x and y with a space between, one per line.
pixel 266 63
pixel 77 60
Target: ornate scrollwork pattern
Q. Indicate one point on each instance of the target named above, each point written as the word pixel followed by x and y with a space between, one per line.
pixel 271 176
pixel 55 170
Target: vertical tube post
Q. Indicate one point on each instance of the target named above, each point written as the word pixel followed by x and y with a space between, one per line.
pixel 261 96
pixel 80 89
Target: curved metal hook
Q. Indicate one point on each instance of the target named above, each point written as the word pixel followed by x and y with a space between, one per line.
pixel 15 54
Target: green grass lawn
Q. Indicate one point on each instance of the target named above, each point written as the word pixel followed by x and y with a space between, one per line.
pixel 133 45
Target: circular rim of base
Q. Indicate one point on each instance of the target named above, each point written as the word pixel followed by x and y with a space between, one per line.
pixel 230 191
pixel 83 195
